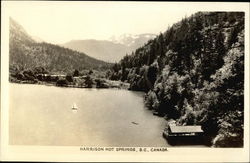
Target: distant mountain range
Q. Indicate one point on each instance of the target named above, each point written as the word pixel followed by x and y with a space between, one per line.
pixel 111 50
pixel 27 53
pixel 133 40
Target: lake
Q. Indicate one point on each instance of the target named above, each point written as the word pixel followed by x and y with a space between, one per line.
pixel 42 115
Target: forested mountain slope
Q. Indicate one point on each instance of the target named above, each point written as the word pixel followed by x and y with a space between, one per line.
pixel 194 73
pixel 25 53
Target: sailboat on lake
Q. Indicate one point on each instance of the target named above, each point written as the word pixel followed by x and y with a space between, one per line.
pixel 74 107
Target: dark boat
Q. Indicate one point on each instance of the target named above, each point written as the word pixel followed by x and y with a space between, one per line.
pixel 156 113
pixel 134 123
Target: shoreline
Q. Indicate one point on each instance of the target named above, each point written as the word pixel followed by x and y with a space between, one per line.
pixel 110 84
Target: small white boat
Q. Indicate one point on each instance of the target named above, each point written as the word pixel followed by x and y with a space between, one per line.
pixel 74 107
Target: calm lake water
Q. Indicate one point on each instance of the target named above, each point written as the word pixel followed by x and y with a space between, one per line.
pixel 42 115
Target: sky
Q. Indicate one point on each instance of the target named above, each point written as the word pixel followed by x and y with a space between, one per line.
pixel 60 22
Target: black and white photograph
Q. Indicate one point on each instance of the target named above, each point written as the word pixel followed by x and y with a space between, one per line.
pixel 143 78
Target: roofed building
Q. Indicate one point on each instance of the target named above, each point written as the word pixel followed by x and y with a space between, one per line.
pixel 173 131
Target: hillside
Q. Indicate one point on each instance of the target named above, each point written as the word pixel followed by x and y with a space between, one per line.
pixel 194 74
pixel 109 50
pixel 101 49
pixel 25 53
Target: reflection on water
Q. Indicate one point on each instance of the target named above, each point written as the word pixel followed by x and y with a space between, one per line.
pixel 43 115
pixel 74 111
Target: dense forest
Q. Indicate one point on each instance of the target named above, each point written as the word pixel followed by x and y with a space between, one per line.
pixel 194 74
pixel 27 54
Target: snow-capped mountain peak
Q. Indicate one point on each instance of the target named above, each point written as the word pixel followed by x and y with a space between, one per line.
pixel 131 39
